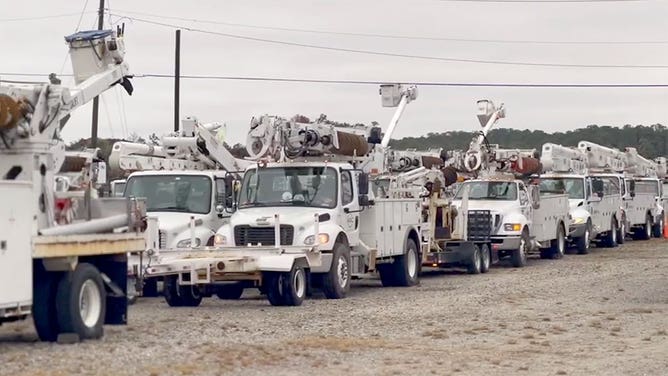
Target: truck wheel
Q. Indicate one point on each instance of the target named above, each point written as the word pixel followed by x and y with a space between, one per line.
pixel 272 283
pixel 407 266
pixel 621 232
pixel 658 228
pixel 172 292
pixel 232 291
pixel 81 302
pixel 583 243
pixel 518 257
pixel 45 287
pixel 646 233
pixel 610 239
pixel 475 263
pixel 150 289
pixel 486 257
pixel 336 282
pixel 286 289
pixel 558 245
pixel 190 295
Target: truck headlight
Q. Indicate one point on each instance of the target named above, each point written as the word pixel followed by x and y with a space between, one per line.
pixel 219 240
pixel 322 239
pixel 185 243
pixel 512 226
pixel 578 220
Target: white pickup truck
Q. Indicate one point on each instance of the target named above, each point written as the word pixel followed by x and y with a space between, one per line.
pixel 524 220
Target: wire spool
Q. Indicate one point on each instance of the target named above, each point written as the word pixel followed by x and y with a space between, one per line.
pixel 429 162
pixel 351 145
pixel 10 112
pixel 527 166
pixel 450 175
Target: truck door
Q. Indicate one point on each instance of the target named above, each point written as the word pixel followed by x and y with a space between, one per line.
pixel 350 218
pixel 525 205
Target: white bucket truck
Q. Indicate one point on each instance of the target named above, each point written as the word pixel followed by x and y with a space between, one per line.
pixel 306 217
pixel 187 185
pixel 68 273
pixel 639 209
pixel 524 220
pixel 595 197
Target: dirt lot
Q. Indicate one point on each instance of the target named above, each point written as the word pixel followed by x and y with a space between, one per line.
pixel 605 313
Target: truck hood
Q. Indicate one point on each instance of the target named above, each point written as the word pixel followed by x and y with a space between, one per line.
pixel 491 205
pixel 297 216
pixel 174 222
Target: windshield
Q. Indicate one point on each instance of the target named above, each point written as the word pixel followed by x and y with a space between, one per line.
pixel 118 189
pixel 295 186
pixel 574 187
pixel 174 193
pixel 489 190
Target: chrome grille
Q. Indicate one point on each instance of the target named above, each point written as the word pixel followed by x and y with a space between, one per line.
pixel 244 234
pixel 162 239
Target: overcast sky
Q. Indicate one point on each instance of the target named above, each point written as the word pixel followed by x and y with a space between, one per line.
pixel 37 46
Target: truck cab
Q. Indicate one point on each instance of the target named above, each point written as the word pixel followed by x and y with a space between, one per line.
pixel 524 221
pixel 188 206
pixel 296 193
pixel 648 197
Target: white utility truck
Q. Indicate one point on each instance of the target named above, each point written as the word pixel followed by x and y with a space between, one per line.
pixel 306 217
pixel 524 220
pixel 187 184
pixel 71 277
pixel 639 209
pixel 595 196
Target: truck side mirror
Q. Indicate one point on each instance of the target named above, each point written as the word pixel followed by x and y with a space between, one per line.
pixel 632 188
pixel 363 184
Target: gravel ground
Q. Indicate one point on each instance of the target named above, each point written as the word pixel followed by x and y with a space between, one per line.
pixel 605 313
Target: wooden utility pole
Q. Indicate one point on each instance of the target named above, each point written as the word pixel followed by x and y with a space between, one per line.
pixel 177 78
pixel 96 100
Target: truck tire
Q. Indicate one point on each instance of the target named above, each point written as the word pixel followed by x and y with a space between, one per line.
pixel 475 263
pixel 150 289
pixel 518 257
pixel 232 291
pixel 181 296
pixel 646 230
pixel 407 266
pixel 658 228
pixel 286 289
pixel 486 258
pixel 45 288
pixel 558 245
pixel 336 282
pixel 621 232
pixel 81 302
pixel 610 239
pixel 583 243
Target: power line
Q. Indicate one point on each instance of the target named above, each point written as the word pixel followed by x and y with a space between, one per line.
pixel 40 17
pixel 124 13
pixel 374 82
pixel 83 11
pixel 391 54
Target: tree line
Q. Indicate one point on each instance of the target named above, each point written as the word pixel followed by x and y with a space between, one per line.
pixel 651 141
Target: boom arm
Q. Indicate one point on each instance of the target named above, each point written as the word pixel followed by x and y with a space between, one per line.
pixel 196 147
pixel 37 112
